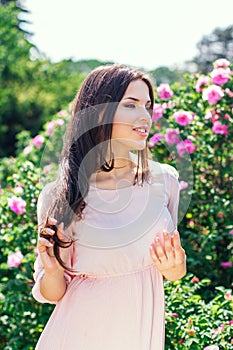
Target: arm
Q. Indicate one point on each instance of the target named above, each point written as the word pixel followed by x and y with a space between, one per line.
pixel 50 278
pixel 170 258
pixel 52 284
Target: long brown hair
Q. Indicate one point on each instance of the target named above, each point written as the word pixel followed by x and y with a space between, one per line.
pixel 87 140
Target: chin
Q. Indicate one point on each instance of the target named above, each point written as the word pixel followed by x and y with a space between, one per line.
pixel 139 146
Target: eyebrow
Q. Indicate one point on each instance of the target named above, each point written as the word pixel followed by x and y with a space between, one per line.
pixel 134 99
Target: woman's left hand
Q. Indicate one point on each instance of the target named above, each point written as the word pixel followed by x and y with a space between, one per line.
pixel 170 259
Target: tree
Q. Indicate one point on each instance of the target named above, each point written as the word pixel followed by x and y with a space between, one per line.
pixel 30 90
pixel 216 45
pixel 14 57
pixel 165 75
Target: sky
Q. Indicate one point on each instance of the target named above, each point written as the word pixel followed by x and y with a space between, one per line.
pixel 147 33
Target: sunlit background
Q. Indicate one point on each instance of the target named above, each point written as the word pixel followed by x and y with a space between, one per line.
pixel 145 33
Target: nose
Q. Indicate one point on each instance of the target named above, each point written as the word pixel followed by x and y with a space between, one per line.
pixel 145 116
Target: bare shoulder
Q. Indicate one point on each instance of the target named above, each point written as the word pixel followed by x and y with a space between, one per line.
pixel 161 169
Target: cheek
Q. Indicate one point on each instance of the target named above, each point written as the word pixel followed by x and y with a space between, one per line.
pixel 121 130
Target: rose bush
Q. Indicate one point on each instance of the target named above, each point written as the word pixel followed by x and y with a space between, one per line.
pixel 199 309
pixel 191 322
pixel 195 132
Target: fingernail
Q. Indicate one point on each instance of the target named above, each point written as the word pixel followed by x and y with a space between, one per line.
pixel 53 219
pixel 49 230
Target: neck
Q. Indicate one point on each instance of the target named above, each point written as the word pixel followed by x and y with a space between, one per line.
pixel 124 169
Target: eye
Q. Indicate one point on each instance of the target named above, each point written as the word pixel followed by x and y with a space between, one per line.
pixel 130 105
pixel 148 107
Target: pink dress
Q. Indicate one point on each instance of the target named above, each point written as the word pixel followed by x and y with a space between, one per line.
pixel 116 299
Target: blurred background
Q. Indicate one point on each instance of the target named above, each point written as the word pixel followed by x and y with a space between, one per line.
pixel 46 50
pixel 47 47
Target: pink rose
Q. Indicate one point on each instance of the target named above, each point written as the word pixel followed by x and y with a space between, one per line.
pixel 185 146
pixel 164 91
pixel 220 76
pixel 226 264
pixel 219 128
pixel 51 125
pixel 175 315
pixel 157 112
pixel 171 136
pixel 17 205
pixel 195 279
pixel 208 115
pixel 201 81
pixel 59 121
pixel 229 92
pixel 27 149
pixel 212 94
pixel 63 113
pixel 38 141
pixel 227 116
pixel 47 169
pixel 221 63
pixel 14 259
pixel 156 138
pixel 219 329
pixel 231 232
pixel 168 104
pixel 183 185
pixel 211 347
pixel 183 118
pixel 50 128
pixel 191 223
pixel 228 295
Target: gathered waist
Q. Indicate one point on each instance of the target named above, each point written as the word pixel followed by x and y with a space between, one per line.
pixel 132 272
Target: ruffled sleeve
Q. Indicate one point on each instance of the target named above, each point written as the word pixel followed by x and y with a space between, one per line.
pixel 42 207
pixel 168 175
pixel 173 190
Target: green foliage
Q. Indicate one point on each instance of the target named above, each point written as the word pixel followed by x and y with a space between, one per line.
pixel 191 322
pixel 21 318
pixel 166 75
pixel 29 89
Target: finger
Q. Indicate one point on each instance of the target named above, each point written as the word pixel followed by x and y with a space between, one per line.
pixel 159 249
pixel 180 255
pixel 176 239
pixel 178 249
pixel 43 244
pixel 51 221
pixel 60 231
pixel 154 256
pixel 47 231
pixel 168 246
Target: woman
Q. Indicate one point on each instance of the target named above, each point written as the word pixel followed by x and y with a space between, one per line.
pixel 107 226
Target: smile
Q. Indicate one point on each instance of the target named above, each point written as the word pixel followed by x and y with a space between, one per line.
pixel 141 131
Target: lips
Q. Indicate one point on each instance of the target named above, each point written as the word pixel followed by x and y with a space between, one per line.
pixel 141 130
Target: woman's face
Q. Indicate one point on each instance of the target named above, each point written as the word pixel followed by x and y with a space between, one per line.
pixel 132 121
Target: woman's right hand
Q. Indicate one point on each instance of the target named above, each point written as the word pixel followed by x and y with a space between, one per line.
pixel 45 248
